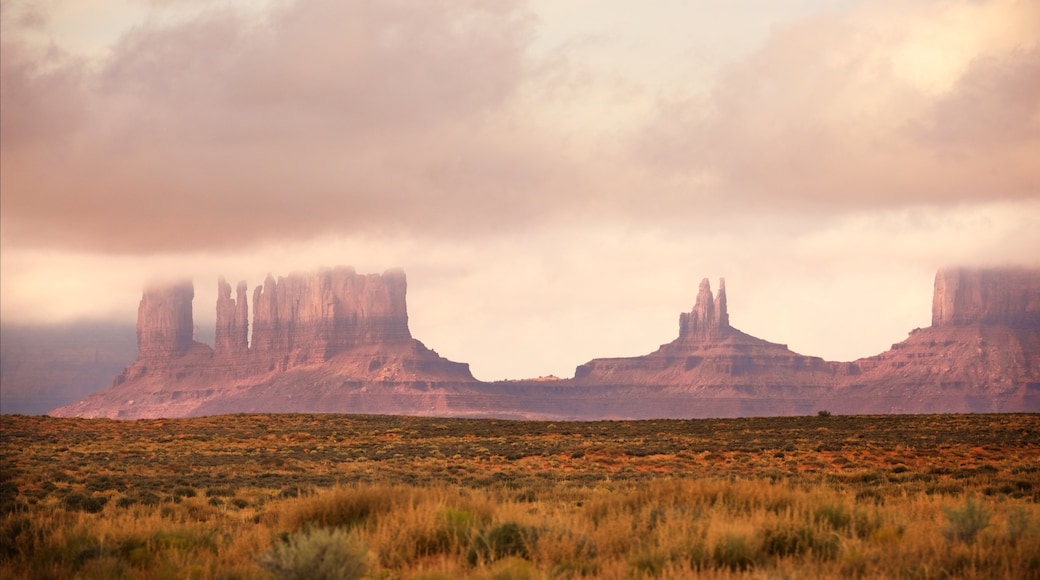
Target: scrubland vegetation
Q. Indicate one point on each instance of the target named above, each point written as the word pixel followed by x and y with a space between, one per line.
pixel 309 496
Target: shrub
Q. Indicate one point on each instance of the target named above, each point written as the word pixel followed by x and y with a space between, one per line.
pixel 647 564
pixel 733 551
pixel 148 498
pixel 78 502
pixel 1019 523
pixel 318 554
pixel 456 523
pixel 183 491
pixel 343 508
pixel 220 492
pixel 966 523
pixel 834 515
pixel 508 539
pixel 20 534
pixel 798 540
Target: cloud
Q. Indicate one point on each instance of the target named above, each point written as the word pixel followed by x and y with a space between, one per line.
pixel 224 127
pixel 320 116
pixel 42 95
pixel 995 106
pixel 877 106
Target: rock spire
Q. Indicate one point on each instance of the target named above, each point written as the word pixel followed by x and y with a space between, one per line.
pixel 231 339
pixel 709 314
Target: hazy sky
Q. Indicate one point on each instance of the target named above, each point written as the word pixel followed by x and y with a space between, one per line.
pixel 555 176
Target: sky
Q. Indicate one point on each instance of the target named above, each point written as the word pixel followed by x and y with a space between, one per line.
pixel 555 176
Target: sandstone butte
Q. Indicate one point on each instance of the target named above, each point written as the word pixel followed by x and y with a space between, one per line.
pixel 336 341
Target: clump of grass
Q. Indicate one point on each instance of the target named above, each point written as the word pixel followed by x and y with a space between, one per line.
pixel 318 554
pixel 762 498
pixel 965 523
pixel 799 540
pixel 835 516
pixel 503 540
pixel 513 568
pixel 343 507
pixel 733 551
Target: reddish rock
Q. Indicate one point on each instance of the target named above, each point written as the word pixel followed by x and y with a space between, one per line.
pixel 336 341
pixel 713 359
pixel 302 319
pixel 1006 296
pixel 231 339
pixel 708 317
pixel 164 321
pixel 333 327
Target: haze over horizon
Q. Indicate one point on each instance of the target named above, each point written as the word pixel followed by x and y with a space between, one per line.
pixel 555 177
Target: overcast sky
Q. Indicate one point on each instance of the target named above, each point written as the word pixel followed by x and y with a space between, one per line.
pixel 555 176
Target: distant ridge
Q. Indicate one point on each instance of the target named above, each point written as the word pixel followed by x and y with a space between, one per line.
pixel 337 341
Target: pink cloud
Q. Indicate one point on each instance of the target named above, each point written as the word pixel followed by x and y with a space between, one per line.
pixel 821 117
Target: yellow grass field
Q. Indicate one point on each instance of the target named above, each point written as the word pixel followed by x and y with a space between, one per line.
pixel 339 496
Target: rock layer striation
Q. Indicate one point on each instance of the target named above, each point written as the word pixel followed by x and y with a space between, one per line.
pixel 337 341
pixel 339 326
pixel 165 328
pixel 302 319
pixel 1008 297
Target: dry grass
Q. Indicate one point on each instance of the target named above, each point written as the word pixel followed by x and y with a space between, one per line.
pixel 820 497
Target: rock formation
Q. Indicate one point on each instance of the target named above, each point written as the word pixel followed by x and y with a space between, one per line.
pixel 231 340
pixel 709 316
pixel 713 360
pixel 304 319
pixel 981 354
pixel 1009 297
pixel 333 326
pixel 165 328
pixel 336 341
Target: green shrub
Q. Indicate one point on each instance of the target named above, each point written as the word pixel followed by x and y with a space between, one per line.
pixel 966 523
pixel 456 523
pixel 318 554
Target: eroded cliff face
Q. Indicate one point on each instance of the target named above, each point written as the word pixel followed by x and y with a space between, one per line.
pixel 712 358
pixel 231 339
pixel 336 341
pixel 165 326
pixel 1005 296
pixel 334 324
pixel 981 353
pixel 301 319
pixel 165 334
